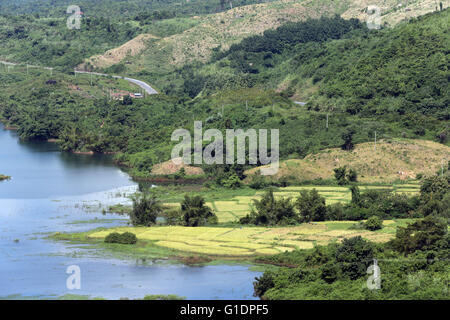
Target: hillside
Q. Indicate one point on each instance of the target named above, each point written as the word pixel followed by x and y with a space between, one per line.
pixel 218 31
pixel 397 159
pixel 361 80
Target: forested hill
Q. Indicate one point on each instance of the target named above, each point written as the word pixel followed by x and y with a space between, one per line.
pixel 120 9
pixel 35 31
pixel 403 71
pixel 393 81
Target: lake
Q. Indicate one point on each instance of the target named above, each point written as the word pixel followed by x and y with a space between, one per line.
pixel 51 192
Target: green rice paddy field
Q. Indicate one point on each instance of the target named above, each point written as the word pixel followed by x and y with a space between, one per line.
pixel 231 210
pixel 250 241
pixel 236 241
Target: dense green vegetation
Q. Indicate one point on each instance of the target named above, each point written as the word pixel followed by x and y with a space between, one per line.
pixel 121 9
pixel 146 208
pixel 391 72
pixel 140 132
pixel 48 42
pixel 122 238
pixel 355 82
pixel 373 205
pixel 195 213
pixel 35 32
pixel 346 271
pixel 413 265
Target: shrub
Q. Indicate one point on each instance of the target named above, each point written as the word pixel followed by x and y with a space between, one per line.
pixel 113 237
pixel 128 238
pixel 329 272
pixel 124 238
pixel 258 182
pixel 263 283
pixel 373 223
pixel 231 182
pixel 421 235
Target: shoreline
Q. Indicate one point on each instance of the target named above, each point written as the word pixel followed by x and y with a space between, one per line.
pixel 227 242
pixel 146 250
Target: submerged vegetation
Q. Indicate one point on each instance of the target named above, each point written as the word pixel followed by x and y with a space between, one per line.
pixel 3 177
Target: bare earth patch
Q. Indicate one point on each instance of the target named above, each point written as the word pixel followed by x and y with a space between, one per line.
pixel 169 167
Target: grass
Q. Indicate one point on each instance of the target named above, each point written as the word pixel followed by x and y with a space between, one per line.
pixel 380 166
pixel 174 42
pixel 238 206
pixel 231 205
pixel 231 242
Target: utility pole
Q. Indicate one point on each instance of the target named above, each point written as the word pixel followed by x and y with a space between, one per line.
pixel 222 111
pixel 246 105
pixel 327 121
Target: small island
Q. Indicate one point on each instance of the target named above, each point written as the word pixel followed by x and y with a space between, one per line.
pixel 3 177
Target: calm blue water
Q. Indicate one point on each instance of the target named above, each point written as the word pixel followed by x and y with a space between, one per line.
pixel 56 192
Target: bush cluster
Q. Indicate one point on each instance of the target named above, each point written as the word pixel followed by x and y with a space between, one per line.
pixel 122 238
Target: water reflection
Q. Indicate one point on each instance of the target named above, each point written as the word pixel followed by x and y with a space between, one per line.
pixel 48 193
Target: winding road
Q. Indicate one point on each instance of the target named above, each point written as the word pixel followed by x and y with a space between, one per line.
pixel 137 82
pixel 148 89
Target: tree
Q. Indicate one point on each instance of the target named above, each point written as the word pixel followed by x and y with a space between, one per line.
pixel 263 283
pixel 354 256
pixel 127 100
pixel 341 175
pixel 146 208
pixel 195 213
pixel 434 187
pixel 423 234
pixel 356 195
pixel 311 206
pixel 352 175
pixel 347 136
pixel 270 211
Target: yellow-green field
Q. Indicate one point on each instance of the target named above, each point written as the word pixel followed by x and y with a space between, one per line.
pixel 239 206
pixel 251 241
